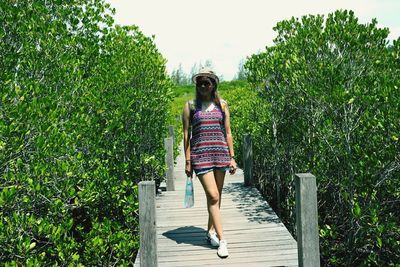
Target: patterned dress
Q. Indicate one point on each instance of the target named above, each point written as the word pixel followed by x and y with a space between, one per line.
pixel 208 146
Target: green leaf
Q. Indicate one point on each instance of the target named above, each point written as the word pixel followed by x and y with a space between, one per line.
pixel 379 242
pixel 356 209
pixel 75 256
pixel 32 245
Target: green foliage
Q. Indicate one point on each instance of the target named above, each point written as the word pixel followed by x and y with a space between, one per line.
pixel 245 118
pixel 331 97
pixel 83 114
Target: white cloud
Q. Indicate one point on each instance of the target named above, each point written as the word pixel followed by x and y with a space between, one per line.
pixel 226 31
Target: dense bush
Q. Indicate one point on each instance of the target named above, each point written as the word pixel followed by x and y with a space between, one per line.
pixel 83 114
pixel 330 89
pixel 245 106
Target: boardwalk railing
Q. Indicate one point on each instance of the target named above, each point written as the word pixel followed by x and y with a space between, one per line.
pixel 147 224
pixel 247 151
pixel 169 159
pixel 306 210
pixel 169 162
pixel 307 220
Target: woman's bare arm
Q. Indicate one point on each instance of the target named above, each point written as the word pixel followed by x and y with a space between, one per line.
pixel 229 138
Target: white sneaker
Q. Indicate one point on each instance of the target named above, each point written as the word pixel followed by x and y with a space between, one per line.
pixel 213 239
pixel 222 249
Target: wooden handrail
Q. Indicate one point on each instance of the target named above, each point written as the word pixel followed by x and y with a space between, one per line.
pixel 306 208
pixel 247 151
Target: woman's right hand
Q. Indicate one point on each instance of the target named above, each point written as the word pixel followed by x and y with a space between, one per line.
pixel 188 169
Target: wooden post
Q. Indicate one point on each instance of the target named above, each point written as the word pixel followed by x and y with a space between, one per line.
pixel 171 131
pixel 307 220
pixel 247 160
pixel 147 224
pixel 169 161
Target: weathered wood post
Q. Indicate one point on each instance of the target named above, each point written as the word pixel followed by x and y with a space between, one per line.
pixel 147 224
pixel 247 151
pixel 171 132
pixel 169 161
pixel 307 220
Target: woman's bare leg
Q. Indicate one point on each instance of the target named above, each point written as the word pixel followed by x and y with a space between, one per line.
pixel 219 179
pixel 210 188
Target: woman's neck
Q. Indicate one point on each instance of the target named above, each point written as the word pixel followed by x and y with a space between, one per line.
pixel 206 99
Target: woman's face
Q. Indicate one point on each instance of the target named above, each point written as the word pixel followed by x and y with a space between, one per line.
pixel 204 85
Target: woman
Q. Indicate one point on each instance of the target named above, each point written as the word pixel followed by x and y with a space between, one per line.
pixel 209 149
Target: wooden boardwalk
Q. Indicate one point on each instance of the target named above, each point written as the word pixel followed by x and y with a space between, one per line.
pixel 254 233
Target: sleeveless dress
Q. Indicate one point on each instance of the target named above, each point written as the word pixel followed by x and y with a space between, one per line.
pixel 208 146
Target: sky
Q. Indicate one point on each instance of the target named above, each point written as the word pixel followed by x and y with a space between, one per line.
pixel 227 31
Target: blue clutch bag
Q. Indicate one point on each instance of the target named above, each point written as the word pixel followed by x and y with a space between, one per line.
pixel 189 193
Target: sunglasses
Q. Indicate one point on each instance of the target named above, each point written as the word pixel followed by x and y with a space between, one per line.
pixel 203 83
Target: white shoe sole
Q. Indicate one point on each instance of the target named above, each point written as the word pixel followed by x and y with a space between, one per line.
pixel 223 255
pixel 223 251
pixel 212 241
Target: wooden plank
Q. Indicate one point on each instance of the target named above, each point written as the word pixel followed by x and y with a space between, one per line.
pixel 225 216
pixel 193 243
pixel 231 227
pixel 225 201
pixel 283 254
pixel 244 258
pixel 249 246
pixel 258 246
pixel 228 226
pixel 254 235
pixel 245 236
pixel 202 220
pixel 202 210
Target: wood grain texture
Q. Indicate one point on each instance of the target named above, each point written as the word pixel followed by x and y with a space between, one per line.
pixel 169 162
pixel 254 233
pixel 147 222
pixel 307 220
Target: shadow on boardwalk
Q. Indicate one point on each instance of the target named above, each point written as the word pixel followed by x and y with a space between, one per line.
pixel 245 199
pixel 180 235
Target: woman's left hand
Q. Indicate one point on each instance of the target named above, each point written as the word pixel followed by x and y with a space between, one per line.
pixel 232 167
